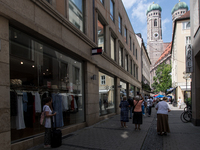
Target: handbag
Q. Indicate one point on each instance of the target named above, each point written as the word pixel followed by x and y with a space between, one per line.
pixel 134 107
pixel 42 118
pixel 145 104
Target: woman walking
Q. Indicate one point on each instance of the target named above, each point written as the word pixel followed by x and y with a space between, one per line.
pixel 137 115
pixel 162 117
pixel 47 108
pixel 124 112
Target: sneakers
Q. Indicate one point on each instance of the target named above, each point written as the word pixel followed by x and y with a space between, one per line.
pixel 47 146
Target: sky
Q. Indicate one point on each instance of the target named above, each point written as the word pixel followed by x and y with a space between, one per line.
pixel 136 10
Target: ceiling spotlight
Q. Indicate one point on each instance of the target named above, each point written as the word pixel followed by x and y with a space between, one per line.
pixel 33 66
pixel 22 62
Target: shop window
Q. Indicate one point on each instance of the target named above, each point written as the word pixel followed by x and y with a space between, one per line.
pixel 36 71
pixel 123 89
pixel 100 33
pixel 131 90
pixel 76 13
pixel 106 95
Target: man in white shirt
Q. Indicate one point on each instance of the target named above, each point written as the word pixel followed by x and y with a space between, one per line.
pixel 179 102
pixel 149 105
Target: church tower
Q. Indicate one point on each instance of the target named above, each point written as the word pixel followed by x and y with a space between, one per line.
pixel 154 33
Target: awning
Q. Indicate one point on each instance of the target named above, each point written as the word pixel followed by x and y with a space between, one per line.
pixel 170 90
pixel 103 91
pixel 183 88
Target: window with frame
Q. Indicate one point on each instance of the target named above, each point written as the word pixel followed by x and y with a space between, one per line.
pixel 136 53
pixel 76 13
pixel 112 10
pixel 188 40
pixel 102 2
pixel 133 49
pixel 125 34
pixel 130 43
pixel 131 67
pixel 186 25
pixel 120 24
pixel 100 33
pixel 155 23
pixel 136 72
pixel 103 80
pixel 112 47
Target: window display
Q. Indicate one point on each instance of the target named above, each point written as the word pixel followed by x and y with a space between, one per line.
pixel 36 72
pixel 106 94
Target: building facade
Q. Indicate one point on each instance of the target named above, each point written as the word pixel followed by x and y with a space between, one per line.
pixel 195 37
pixel 46 50
pixel 181 37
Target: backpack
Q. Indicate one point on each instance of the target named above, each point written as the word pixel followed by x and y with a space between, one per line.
pixel 42 118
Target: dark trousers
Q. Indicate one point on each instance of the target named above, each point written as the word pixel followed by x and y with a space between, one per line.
pixel 149 110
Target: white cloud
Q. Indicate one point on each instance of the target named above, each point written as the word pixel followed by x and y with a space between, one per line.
pixel 139 11
pixel 128 3
pixel 164 22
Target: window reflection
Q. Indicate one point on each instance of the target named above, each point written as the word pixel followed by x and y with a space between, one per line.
pixel 76 13
pixel 106 94
pixel 100 35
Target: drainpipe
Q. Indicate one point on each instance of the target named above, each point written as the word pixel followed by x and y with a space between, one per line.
pixel 93 21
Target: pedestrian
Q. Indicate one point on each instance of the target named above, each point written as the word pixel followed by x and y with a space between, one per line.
pixel 137 112
pixel 149 105
pixel 179 102
pixel 130 101
pixel 142 106
pixel 47 108
pixel 124 112
pixel 162 117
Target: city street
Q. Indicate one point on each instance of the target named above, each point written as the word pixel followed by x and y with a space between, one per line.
pixel 108 135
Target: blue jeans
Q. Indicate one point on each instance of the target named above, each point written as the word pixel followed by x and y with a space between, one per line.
pixel 130 109
pixel 143 110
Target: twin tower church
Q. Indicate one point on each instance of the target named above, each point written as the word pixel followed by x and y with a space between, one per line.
pixel 155 45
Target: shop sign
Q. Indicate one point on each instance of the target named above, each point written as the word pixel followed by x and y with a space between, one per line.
pixel 96 51
pixel 189 65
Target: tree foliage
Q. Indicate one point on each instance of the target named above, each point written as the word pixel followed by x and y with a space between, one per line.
pixel 162 80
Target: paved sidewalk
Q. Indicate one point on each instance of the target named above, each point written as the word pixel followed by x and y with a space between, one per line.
pixel 107 135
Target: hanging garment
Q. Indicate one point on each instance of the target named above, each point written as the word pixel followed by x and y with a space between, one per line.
pixel 25 101
pixel 64 102
pixel 38 107
pixel 20 124
pixel 57 107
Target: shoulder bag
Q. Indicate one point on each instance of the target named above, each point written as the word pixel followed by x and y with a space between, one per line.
pixel 134 106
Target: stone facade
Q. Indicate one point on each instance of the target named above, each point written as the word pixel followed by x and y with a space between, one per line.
pixel 50 23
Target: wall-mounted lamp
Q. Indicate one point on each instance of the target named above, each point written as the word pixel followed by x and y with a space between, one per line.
pixel 120 86
pixel 93 77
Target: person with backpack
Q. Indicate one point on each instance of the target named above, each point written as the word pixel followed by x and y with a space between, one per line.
pixel 47 109
pixel 130 101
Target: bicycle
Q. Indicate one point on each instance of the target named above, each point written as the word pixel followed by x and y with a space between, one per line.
pixel 186 116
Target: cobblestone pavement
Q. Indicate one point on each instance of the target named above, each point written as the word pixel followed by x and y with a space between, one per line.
pixel 108 135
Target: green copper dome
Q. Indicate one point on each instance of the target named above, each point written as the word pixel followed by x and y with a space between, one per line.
pixel 153 7
pixel 180 5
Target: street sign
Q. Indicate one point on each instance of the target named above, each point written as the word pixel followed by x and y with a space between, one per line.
pixel 189 65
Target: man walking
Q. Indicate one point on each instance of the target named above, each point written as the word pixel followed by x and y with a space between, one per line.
pixel 130 101
pixel 149 105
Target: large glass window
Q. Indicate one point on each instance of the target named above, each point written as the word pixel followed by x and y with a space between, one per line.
pixel 100 33
pixel 131 90
pixel 106 95
pixel 36 71
pixel 112 47
pixel 112 10
pixel 120 24
pixel 123 89
pixel 76 13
